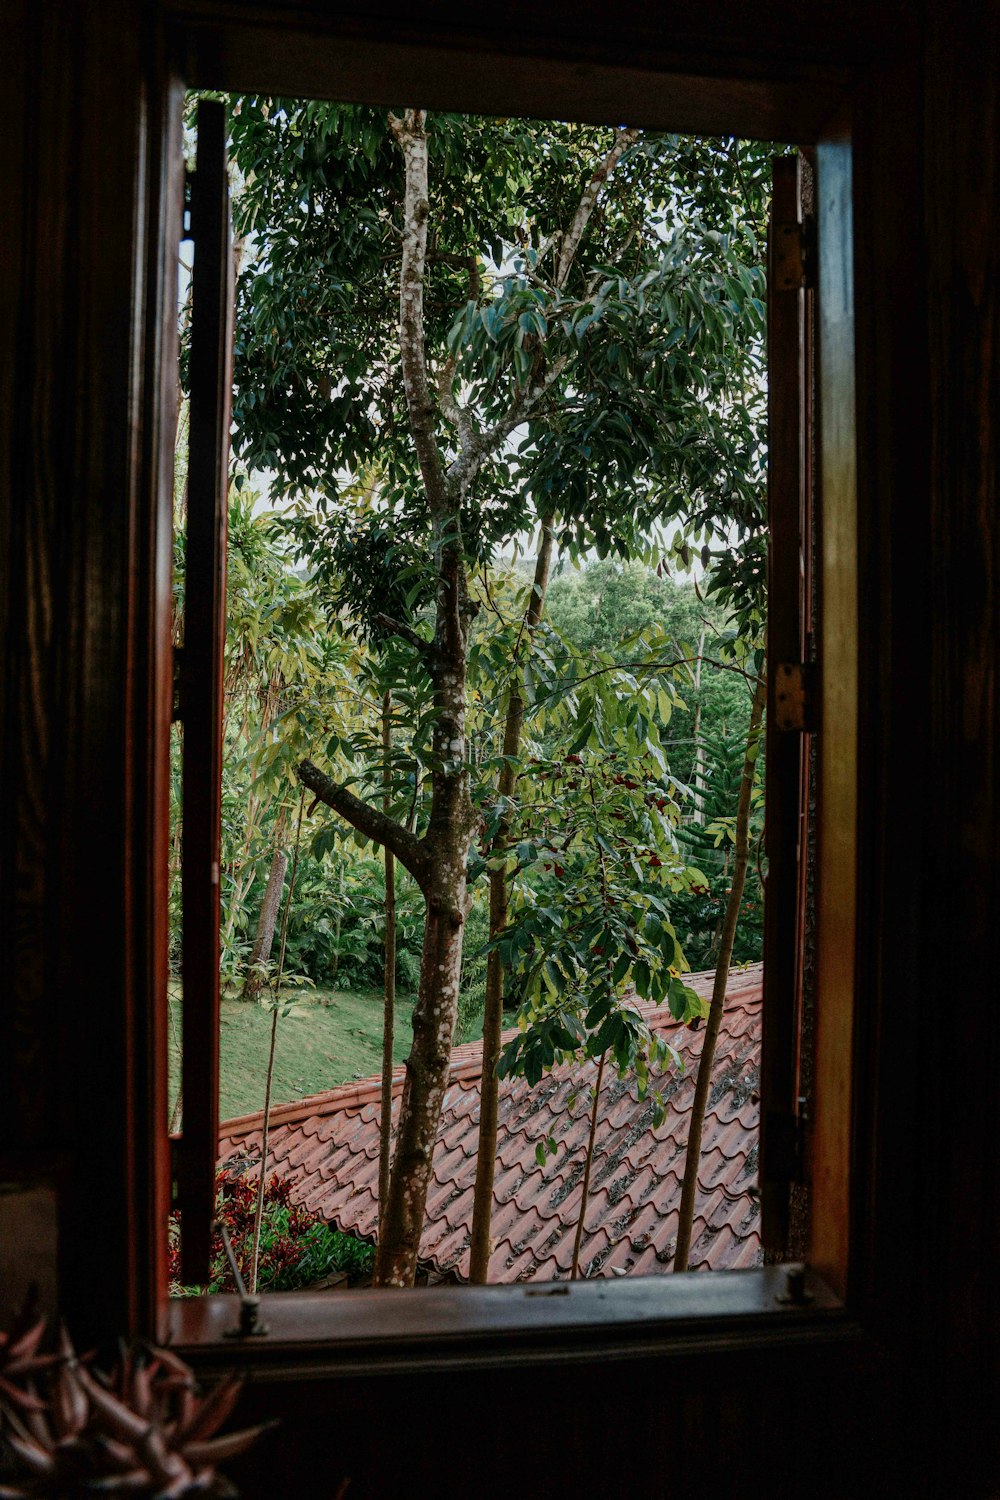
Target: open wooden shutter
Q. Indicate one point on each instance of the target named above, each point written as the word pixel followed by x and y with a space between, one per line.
pixel 791 670
pixel 201 703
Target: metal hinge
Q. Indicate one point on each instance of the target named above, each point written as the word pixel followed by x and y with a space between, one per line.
pixel 795 696
pixel 187 218
pixel 794 261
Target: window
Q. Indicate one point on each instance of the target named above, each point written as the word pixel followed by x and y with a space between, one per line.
pixel 837 159
pixel 83 1098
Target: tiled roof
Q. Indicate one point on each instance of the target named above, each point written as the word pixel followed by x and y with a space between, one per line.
pixel 328 1145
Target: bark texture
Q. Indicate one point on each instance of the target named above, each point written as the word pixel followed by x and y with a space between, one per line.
pixel 741 860
pixel 452 819
pixel 264 941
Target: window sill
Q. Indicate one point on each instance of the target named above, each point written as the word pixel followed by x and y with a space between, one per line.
pixel 366 1331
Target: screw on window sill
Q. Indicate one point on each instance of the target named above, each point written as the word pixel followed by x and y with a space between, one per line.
pixel 796 1293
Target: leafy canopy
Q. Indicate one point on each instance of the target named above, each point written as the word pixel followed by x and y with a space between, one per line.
pixel 648 351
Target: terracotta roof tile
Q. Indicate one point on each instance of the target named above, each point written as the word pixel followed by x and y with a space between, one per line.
pixel 327 1146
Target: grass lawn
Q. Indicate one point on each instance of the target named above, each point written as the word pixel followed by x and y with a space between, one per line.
pixel 330 1037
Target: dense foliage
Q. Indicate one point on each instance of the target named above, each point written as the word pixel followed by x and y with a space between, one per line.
pixel 292 673
pixel 650 346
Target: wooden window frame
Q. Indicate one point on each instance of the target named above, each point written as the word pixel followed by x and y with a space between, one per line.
pixel 470 1326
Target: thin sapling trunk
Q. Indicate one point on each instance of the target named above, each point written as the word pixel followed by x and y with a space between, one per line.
pixel 389 1007
pixel 721 981
pixel 698 770
pixel 493 1011
pixel 592 1137
pixel 482 1206
pixel 265 1126
pixel 588 1165
pixel 266 924
pixel 338 922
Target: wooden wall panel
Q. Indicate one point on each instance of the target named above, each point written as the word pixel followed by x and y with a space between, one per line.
pixel 960 808
pixel 28 1095
pixel 777 39
pixel 608 1430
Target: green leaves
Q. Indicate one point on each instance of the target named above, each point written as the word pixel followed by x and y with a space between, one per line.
pixel 649 353
pixel 546 1148
pixel 597 859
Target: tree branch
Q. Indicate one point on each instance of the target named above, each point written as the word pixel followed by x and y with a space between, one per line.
pixel 412 141
pixel 463 470
pixel 406 633
pixel 477 447
pixel 469 262
pixel 368 820
pixel 587 204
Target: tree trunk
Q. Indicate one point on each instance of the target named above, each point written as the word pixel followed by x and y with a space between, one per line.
pixel 698 767
pixel 482 1206
pixel 588 1166
pixel 241 870
pixel 703 1085
pixel 264 940
pixel 265 1125
pixel 445 847
pixel 445 851
pixel 338 922
pixel 719 927
pixel 389 1007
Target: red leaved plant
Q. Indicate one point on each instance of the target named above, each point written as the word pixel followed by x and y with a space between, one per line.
pixel 280 1250
pixel 20 1362
pixel 142 1430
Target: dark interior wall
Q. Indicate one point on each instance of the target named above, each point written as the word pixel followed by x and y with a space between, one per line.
pixel 73 685
pixel 78 950
pixel 748 1428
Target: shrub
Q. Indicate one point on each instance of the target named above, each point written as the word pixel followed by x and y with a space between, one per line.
pixel 336 929
pixel 297 1248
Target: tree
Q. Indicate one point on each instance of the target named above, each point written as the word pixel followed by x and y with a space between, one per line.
pixel 560 350
pixel 261 955
pixel 596 929
pixel 634 614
